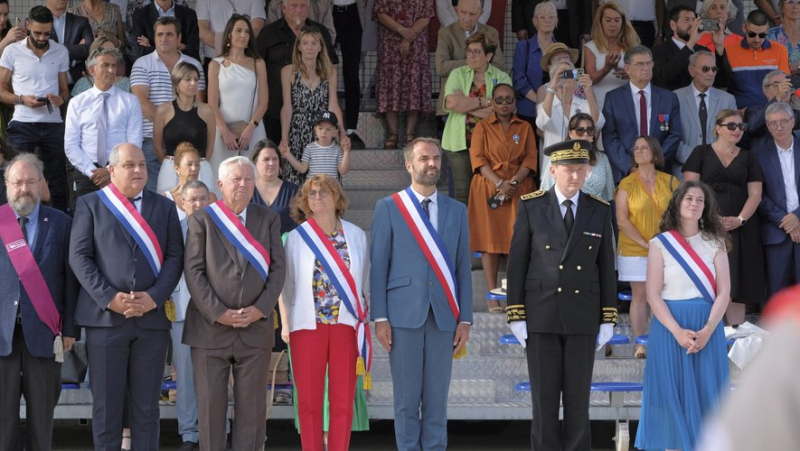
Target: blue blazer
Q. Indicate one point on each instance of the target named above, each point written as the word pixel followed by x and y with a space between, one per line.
pixel 403 287
pixel 106 260
pixel 622 126
pixel 50 252
pixel 773 198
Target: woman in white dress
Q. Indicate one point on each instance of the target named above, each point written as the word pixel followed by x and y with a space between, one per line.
pixel 612 36
pixel 559 100
pixel 237 92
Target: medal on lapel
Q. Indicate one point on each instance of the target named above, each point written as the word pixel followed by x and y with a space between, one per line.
pixel 663 120
pixel 515 138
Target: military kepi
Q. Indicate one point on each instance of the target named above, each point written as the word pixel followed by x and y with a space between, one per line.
pixel 574 151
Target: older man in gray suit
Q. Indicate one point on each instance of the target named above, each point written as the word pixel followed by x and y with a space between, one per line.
pixel 699 103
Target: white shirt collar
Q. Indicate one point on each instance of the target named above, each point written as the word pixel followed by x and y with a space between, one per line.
pixel 561 198
pixel 433 197
pixel 243 214
pixel 697 92
pixel 679 43
pixel 781 149
pixel 169 12
pixel 471 32
pixel 635 90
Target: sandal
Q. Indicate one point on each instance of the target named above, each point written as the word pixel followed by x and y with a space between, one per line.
pixel 410 137
pixel 391 141
pixel 497 309
pixel 640 351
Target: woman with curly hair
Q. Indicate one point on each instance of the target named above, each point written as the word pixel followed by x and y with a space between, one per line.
pixel 688 289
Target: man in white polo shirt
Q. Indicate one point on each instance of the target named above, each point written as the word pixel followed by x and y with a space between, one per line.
pixel 151 83
pixel 98 120
pixel 37 69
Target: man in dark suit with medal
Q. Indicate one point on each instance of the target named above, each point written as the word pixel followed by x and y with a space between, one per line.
pixel 561 271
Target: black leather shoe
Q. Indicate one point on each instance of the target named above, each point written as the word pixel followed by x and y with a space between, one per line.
pixel 355 141
pixel 189 446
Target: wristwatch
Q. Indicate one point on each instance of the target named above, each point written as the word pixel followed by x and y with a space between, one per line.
pixel 744 221
pixel 551 90
pixel 255 123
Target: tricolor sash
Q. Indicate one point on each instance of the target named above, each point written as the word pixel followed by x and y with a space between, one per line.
pixel 695 268
pixel 241 238
pixel 344 283
pixel 431 245
pixel 28 270
pixel 133 222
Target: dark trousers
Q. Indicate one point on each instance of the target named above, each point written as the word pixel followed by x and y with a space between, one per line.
pixel 272 126
pixel 783 265
pixel 126 359
pixel 79 185
pixel 348 37
pixel 212 370
pixel 40 384
pixel 562 31
pixel 560 364
pixel 49 138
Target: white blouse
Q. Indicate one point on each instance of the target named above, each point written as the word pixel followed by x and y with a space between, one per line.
pixel 677 284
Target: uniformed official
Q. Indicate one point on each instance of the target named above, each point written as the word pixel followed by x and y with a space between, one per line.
pixel 561 272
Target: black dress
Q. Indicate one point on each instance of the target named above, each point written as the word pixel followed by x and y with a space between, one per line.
pixel 280 205
pixel 746 256
pixel 185 126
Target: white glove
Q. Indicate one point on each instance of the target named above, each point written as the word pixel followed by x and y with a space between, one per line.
pixel 520 330
pixel 606 332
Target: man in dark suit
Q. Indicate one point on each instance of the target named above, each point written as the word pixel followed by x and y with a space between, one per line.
pixel 123 293
pixel 229 323
pixel 671 57
pixel 27 363
pixel 74 33
pixel 561 272
pixel 420 326
pixel 144 20
pixel 777 87
pixel 639 109
pixel 780 208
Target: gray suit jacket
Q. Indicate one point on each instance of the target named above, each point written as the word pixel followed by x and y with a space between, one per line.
pixel 217 281
pixel 691 133
pixel 451 53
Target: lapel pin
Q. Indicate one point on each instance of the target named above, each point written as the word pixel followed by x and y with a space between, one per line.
pixel 596 235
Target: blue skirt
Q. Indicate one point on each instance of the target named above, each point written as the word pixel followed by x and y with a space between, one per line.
pixel 680 390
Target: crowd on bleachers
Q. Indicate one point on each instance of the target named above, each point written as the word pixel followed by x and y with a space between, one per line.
pixel 238 100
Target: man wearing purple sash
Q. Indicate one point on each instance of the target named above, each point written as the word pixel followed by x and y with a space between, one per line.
pixel 37 302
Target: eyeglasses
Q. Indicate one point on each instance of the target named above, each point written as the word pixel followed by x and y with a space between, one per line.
pixel 734 125
pixel 783 123
pixel 713 69
pixel 508 100
pixel 321 193
pixel 21 183
pixel 582 131
pixel 752 34
pixel 475 52
pixel 643 65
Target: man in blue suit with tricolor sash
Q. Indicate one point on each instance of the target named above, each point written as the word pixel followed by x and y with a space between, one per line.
pixel 421 296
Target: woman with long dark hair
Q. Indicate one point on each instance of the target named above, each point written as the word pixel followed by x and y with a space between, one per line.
pixel 688 289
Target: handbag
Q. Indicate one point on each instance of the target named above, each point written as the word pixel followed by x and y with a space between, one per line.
pixel 237 127
pixel 76 362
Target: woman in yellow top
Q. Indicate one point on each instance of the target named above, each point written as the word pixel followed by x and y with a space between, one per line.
pixel 641 200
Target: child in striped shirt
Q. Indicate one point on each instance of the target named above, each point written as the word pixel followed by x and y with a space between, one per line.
pixel 323 156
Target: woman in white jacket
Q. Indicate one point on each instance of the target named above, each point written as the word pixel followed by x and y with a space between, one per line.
pixel 325 307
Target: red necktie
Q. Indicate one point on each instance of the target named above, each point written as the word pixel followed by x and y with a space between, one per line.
pixel 642 114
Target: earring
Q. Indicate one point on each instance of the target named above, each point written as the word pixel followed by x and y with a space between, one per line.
pixel 702 224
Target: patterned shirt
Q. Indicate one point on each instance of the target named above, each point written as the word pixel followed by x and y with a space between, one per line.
pixel 778 34
pixel 326 299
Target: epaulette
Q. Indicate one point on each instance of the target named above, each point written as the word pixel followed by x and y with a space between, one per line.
pixel 601 200
pixel 533 195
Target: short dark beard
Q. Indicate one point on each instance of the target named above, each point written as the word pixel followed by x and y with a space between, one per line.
pixel 39 45
pixel 427 180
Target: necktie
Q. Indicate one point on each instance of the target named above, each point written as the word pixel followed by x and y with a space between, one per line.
pixel 569 216
pixel 102 129
pixel 703 116
pixel 23 224
pixel 133 201
pixel 426 207
pixel 642 114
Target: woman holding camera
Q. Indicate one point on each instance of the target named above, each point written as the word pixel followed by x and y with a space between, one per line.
pixel 503 153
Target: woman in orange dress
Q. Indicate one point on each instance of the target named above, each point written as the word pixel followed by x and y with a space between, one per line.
pixel 503 154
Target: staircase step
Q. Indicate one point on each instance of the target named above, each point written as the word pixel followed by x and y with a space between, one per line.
pixel 376 179
pixel 377 159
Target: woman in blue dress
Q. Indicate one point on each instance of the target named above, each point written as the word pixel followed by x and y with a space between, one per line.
pixel 271 191
pixel 687 364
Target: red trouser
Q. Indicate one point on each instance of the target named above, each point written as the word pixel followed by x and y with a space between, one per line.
pixel 331 347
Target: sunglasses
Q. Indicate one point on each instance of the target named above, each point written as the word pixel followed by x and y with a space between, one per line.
pixel 582 131
pixel 734 125
pixel 508 100
pixel 713 69
pixel 752 34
